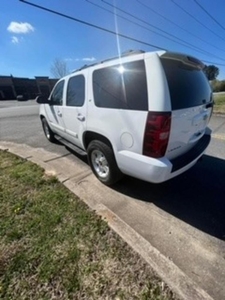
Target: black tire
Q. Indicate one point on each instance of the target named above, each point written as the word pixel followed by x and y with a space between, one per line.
pixel 47 130
pixel 102 162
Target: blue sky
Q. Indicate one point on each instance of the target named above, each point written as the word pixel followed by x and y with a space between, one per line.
pixel 30 38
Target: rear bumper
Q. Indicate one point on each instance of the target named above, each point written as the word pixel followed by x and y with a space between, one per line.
pixel 160 170
pixel 195 152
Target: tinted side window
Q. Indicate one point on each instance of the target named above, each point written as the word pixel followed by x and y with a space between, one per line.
pixel 57 95
pixel 121 86
pixel 75 91
pixel 188 85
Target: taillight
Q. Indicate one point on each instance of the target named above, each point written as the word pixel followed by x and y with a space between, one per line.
pixel 156 136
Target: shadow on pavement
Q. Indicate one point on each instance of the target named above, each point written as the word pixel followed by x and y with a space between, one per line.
pixel 83 158
pixel 197 197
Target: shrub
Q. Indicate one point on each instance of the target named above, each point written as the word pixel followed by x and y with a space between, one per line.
pixel 217 85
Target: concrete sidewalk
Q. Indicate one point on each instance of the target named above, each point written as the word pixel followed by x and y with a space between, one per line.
pixel 217 144
pixel 191 262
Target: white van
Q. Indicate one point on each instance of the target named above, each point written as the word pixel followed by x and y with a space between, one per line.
pixel 142 114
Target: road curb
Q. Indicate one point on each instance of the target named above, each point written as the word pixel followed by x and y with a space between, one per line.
pixel 219 114
pixel 219 136
pixel 178 281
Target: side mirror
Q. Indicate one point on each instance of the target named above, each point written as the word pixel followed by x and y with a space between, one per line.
pixel 41 99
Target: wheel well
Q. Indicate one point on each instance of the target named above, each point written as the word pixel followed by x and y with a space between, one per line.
pixel 90 136
pixel 42 117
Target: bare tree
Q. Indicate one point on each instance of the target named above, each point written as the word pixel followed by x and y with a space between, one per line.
pixel 59 68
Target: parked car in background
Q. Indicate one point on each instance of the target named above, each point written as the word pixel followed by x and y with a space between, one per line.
pixel 142 114
pixel 22 97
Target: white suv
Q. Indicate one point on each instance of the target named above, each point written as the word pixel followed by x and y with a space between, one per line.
pixel 142 114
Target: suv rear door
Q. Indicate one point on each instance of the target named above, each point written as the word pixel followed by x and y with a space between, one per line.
pixel 191 102
pixel 120 105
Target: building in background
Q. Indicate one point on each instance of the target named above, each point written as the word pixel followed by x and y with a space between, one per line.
pixel 45 84
pixel 11 87
pixel 7 89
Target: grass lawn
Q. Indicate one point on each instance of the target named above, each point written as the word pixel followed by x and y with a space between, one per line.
pixel 52 246
pixel 219 106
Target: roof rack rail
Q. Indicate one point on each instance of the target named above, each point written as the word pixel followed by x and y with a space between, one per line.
pixel 85 67
pixel 126 53
pixel 132 52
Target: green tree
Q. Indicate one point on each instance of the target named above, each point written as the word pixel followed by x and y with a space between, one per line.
pixel 218 86
pixel 215 84
pixel 211 72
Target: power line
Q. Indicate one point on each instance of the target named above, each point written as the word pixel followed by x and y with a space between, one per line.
pixel 91 25
pixel 178 26
pixel 101 28
pixel 213 63
pixel 184 10
pixel 218 23
pixel 137 24
pixel 97 27
pixel 133 16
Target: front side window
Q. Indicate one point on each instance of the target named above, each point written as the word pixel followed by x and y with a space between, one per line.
pixel 121 86
pixel 57 95
pixel 75 91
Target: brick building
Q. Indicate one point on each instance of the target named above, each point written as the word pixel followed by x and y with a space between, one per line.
pixel 11 87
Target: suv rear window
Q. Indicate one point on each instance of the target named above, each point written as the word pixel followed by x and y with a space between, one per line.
pixel 188 84
pixel 121 86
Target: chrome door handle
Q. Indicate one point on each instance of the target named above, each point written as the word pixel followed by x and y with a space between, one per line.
pixel 80 117
pixel 59 113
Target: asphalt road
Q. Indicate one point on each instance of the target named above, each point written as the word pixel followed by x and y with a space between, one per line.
pixel 193 203
pixel 20 123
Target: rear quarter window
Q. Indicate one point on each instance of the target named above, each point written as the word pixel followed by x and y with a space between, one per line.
pixel 121 86
pixel 188 85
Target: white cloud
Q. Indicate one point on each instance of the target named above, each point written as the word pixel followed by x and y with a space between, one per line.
pixel 68 59
pixel 80 59
pixel 14 40
pixel 20 28
pixel 89 59
pixel 85 59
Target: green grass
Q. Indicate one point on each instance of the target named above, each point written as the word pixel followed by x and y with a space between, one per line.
pixel 219 106
pixel 52 246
